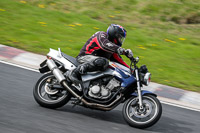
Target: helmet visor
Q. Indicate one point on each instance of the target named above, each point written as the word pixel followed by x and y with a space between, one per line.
pixel 121 39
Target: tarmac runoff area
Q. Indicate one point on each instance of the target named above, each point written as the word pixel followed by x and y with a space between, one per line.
pixel 166 94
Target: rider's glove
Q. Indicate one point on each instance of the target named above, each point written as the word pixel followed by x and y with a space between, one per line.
pixel 121 51
pixel 129 53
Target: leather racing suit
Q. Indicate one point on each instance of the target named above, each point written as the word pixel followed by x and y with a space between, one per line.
pixel 95 54
pixel 99 45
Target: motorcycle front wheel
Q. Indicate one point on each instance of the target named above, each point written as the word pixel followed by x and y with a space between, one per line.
pixel 142 118
pixel 46 95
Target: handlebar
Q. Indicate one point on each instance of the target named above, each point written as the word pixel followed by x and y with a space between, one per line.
pixel 134 61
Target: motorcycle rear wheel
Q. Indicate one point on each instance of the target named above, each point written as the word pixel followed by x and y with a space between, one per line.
pixel 47 97
pixel 147 117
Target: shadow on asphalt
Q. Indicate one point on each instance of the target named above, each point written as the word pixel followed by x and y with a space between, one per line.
pixel 111 116
pixel 164 125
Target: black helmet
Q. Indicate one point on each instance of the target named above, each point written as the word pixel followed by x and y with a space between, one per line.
pixel 116 34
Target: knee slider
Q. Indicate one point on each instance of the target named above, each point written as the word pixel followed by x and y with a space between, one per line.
pixel 101 63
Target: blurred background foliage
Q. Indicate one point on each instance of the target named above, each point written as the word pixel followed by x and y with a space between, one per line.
pixel 163 33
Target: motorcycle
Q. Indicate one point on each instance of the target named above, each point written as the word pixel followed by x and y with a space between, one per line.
pixel 99 90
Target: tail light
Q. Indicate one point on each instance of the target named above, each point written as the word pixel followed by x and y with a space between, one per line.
pixel 49 57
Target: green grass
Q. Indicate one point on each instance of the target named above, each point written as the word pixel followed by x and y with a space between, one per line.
pixel 154 31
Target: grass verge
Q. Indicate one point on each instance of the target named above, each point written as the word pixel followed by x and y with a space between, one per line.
pixel 170 50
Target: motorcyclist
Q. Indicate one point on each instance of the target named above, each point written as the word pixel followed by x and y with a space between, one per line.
pixel 100 48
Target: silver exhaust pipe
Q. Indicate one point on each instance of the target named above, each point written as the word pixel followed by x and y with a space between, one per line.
pixel 62 80
pixel 56 72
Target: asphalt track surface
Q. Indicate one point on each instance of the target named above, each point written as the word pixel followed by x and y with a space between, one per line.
pixel 19 113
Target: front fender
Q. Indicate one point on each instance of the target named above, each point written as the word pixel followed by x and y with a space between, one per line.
pixel 144 92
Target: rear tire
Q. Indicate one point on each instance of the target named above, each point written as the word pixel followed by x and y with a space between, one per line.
pixel 48 100
pixel 147 117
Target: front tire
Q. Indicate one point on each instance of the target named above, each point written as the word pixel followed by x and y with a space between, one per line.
pixel 49 97
pixel 142 118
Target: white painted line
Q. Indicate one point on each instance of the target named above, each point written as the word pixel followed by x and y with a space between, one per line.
pixel 187 105
pixel 164 102
pixel 27 68
pixel 180 106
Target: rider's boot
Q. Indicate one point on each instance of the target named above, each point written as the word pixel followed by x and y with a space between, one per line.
pixel 74 76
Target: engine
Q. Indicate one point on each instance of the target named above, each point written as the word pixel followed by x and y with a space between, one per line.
pixel 103 88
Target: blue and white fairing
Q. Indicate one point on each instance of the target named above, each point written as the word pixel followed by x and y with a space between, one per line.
pixel 117 70
pixel 124 75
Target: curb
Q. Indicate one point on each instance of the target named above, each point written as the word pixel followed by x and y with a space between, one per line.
pixel 20 57
pixel 165 93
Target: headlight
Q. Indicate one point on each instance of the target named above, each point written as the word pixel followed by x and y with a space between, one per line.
pixel 147 79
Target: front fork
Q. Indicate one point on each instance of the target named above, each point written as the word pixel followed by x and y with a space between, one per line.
pixel 139 88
